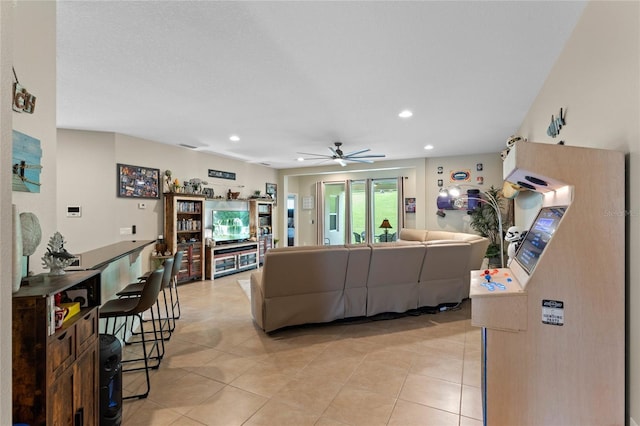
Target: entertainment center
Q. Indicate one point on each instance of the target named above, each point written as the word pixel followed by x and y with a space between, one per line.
pixel 218 236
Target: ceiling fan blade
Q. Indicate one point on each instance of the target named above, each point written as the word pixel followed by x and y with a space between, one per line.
pixel 359 160
pixel 334 152
pixel 341 162
pixel 315 155
pixel 357 152
pixel 367 156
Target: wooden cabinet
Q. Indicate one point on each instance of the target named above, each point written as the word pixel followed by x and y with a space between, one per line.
pixel 261 212
pixel 56 372
pixel 184 230
pixel 231 258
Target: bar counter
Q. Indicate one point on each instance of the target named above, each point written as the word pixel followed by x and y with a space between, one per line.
pixel 100 258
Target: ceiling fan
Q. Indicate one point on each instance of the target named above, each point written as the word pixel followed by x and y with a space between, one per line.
pixel 341 158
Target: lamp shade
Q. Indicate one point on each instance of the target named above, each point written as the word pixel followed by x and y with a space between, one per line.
pixel 385 224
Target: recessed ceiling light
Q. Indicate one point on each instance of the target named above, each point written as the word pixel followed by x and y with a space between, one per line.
pixel 300 159
pixel 234 138
pixel 405 114
pixel 428 147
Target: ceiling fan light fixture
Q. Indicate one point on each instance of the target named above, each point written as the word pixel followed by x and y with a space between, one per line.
pixel 405 114
pixel 300 159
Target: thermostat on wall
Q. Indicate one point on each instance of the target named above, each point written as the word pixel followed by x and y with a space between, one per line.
pixel 74 211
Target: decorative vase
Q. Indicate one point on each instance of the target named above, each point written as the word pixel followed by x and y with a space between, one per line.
pixel 17 249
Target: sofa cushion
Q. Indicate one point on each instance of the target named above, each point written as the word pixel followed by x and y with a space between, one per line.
pixel 407 234
pixel 299 286
pixel 444 277
pixel 393 277
pixel 355 286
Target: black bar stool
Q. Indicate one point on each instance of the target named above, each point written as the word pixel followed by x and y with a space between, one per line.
pixel 177 262
pixel 134 307
pixel 164 322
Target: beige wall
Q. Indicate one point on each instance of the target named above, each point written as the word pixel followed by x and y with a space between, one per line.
pixel 458 220
pixel 87 177
pixel 421 183
pixel 597 80
pixel 33 54
pixel 302 182
pixel 6 231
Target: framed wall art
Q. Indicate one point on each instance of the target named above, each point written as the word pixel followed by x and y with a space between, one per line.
pixel 272 190
pixel 138 182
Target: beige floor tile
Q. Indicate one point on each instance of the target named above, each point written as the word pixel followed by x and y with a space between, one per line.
pixel 407 413
pixel 432 392
pixel 360 407
pixel 472 373
pixel 186 421
pixel 332 368
pixel 466 421
pixel 219 368
pixel 392 357
pixel 325 421
pixel 277 413
pixel 230 406
pixel 225 368
pixel 471 405
pixel 148 413
pixel 378 377
pixel 182 354
pixel 438 366
pixel 262 379
pixel 313 393
pixel 184 393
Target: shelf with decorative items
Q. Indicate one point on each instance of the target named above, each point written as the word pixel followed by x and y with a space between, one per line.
pixel 261 212
pixel 184 230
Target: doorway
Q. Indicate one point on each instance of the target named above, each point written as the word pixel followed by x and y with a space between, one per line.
pixel 292 219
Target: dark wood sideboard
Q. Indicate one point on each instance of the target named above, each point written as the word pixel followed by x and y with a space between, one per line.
pixel 56 372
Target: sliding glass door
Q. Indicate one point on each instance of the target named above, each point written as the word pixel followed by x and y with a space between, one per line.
pixel 361 211
pixel 359 201
pixel 384 206
pixel 334 213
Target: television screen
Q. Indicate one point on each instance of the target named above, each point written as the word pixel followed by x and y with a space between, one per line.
pixel 230 225
pixel 538 237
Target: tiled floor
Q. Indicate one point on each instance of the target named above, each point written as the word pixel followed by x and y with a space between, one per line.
pixel 219 369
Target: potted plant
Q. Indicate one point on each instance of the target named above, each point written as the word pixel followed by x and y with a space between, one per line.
pixel 484 219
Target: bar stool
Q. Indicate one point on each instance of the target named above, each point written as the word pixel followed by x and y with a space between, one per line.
pixel 175 304
pixel 177 262
pixel 135 289
pixel 134 307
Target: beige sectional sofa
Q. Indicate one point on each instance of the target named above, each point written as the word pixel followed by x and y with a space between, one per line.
pixel 316 284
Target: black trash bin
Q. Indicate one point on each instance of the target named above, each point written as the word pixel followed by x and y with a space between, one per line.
pixel 110 380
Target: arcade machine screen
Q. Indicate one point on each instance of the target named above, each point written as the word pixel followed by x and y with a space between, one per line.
pixel 538 237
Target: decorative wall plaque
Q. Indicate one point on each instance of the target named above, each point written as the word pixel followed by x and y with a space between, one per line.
pixel 222 175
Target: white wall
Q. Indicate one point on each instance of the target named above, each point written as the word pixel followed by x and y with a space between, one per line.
pixel 6 236
pixel 597 80
pixel 27 42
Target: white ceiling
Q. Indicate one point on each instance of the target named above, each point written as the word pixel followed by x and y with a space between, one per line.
pixel 292 77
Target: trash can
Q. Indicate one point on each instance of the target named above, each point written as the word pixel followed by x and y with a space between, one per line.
pixel 110 380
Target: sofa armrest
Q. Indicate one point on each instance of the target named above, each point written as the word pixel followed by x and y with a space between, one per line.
pixel 257 298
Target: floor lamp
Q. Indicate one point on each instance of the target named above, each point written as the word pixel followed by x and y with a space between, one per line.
pixel 488 199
